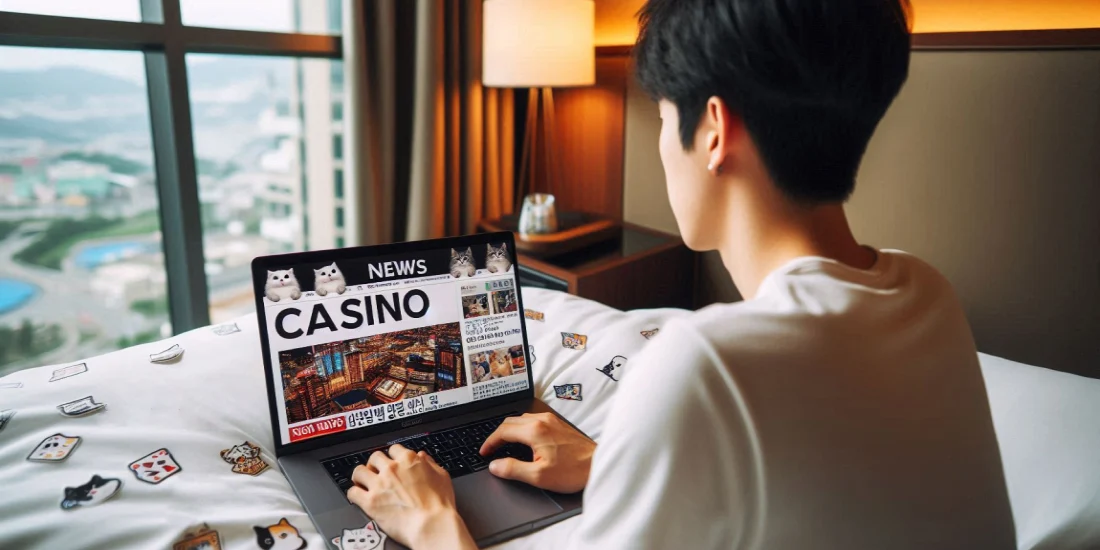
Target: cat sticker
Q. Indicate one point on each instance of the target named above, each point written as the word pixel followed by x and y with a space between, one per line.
pixel 574 341
pixel 534 315
pixel 245 459
pixel 650 333
pixel 94 492
pixel 497 260
pixel 462 263
pixel 66 372
pixel 281 285
pixel 571 392
pixel 613 368
pixel 204 538
pixel 226 329
pixel 155 467
pixel 55 448
pixel 81 407
pixel 6 416
pixel 368 537
pixel 168 355
pixel 12 385
pixel 281 536
pixel 329 279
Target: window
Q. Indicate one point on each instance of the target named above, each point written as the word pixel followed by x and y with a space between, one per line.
pixel 340 217
pixel 98 183
pixel 81 263
pixel 338 146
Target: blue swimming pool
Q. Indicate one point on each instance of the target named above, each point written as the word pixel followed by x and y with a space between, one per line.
pixel 13 294
pixel 96 255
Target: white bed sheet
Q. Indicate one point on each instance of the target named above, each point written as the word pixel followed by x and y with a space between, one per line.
pixel 213 397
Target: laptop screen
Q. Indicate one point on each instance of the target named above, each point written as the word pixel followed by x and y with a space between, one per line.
pixel 366 341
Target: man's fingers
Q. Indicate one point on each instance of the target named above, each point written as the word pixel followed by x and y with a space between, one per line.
pixel 431 461
pixel 358 496
pixel 508 432
pixel 363 476
pixel 399 453
pixel 510 468
pixel 377 461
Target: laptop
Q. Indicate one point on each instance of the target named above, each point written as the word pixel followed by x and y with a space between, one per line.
pixel 420 343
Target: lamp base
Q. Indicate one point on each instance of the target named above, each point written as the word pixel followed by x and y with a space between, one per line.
pixel 576 230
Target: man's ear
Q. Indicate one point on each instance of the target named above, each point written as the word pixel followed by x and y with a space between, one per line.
pixel 722 129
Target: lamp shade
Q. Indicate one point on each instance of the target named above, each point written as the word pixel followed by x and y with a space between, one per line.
pixel 538 43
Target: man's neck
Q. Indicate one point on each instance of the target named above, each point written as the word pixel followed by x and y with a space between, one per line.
pixel 765 231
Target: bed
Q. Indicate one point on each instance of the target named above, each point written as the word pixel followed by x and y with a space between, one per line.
pixel 181 437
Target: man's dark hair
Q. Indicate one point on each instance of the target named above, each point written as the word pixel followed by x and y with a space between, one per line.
pixel 811 79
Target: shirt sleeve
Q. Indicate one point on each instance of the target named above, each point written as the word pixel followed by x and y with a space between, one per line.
pixel 676 466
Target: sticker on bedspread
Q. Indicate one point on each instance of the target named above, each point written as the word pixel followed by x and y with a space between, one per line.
pixel 226 329
pixel 5 417
pixel 571 392
pixel 55 448
pixel 66 372
pixel 167 355
pixel 531 348
pixel 534 315
pixel 94 492
pixel 204 538
pixel 155 467
pixel 367 537
pixel 649 334
pixel 574 341
pixel 11 385
pixel 81 407
pixel 281 536
pixel 614 368
pixel 245 459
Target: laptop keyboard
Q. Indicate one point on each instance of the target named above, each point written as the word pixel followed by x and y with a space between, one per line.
pixel 455 449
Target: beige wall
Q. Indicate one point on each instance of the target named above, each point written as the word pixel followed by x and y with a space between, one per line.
pixel 988 167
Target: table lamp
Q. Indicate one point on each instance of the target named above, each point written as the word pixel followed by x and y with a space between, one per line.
pixel 538 44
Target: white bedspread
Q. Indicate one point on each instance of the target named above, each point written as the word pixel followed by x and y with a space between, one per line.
pixel 213 398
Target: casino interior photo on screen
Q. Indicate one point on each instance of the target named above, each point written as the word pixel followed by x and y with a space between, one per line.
pixel 331 378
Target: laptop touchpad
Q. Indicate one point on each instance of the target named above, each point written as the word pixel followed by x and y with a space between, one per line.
pixel 490 505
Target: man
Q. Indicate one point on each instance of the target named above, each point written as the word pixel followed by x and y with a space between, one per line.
pixel 841 404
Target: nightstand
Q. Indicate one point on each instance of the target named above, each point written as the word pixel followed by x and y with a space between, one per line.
pixel 641 268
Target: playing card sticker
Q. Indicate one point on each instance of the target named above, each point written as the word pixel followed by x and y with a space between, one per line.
pixel 534 315
pixel 574 341
pixel 55 448
pixel 226 329
pixel 571 392
pixel 367 537
pixel 11 385
pixel 5 416
pixel 81 407
pixel 203 538
pixel 245 459
pixel 95 491
pixel 650 333
pixel 167 355
pixel 613 370
pixel 66 372
pixel 155 467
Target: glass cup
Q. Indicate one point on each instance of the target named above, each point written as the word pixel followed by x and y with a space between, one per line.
pixel 538 216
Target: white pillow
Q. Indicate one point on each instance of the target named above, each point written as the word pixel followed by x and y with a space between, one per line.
pixel 1048 427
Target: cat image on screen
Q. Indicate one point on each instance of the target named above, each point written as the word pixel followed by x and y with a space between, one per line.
pixel 496 260
pixel 282 284
pixel 462 263
pixel 501 364
pixel 281 536
pixel 329 279
pixel 91 493
pixel 366 538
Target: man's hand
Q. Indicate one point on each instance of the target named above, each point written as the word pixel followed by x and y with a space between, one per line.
pixel 562 455
pixel 411 499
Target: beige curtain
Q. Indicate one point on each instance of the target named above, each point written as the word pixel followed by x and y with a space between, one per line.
pixel 463 133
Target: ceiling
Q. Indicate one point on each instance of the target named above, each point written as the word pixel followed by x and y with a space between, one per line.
pixel 615 23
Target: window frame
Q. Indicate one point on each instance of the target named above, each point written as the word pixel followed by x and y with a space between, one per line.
pixel 165 42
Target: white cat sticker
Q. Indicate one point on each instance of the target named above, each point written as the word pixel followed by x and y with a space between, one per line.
pixel 329 279
pixel 282 284
pixel 95 491
pixel 366 538
pixel 613 368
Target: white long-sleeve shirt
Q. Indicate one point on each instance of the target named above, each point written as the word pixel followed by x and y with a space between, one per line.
pixel 840 408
